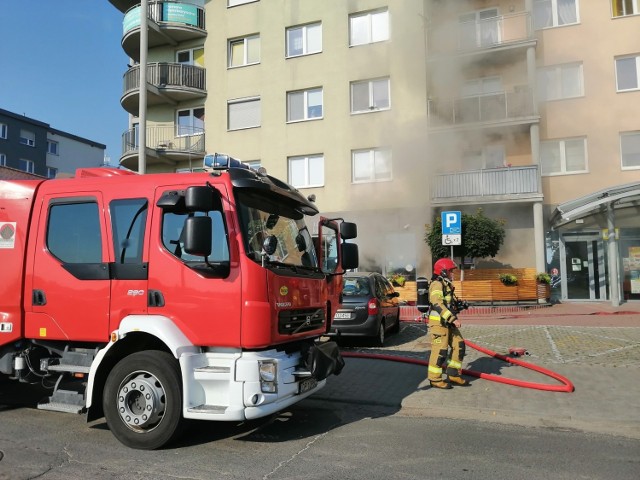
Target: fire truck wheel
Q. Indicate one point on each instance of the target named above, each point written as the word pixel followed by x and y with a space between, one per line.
pixel 143 400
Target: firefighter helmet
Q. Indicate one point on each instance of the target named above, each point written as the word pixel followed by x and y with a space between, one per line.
pixel 443 267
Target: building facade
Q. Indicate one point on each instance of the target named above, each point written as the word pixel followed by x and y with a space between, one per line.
pixel 34 147
pixel 390 112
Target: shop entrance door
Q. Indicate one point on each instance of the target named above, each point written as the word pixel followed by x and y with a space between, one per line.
pixel 584 276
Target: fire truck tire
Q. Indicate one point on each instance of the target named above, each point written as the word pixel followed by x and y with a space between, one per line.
pixel 143 400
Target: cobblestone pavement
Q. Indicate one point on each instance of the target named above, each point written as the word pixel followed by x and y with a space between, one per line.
pixel 545 344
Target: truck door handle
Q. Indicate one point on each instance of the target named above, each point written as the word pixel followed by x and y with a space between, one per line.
pixel 155 299
pixel 38 298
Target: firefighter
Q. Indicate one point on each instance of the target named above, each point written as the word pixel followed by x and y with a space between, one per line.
pixel 444 329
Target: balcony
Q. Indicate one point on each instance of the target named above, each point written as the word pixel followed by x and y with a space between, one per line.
pixel 167 145
pixel 170 23
pixel 500 33
pixel 508 108
pixel 124 5
pixel 167 84
pixel 493 185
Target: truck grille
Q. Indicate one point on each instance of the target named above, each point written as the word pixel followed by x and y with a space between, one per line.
pixel 296 321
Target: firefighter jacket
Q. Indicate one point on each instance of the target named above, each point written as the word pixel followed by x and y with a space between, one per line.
pixel 440 295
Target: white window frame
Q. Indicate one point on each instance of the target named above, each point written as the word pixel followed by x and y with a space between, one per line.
pixel 27 138
pixel 555 14
pixel 244 103
pixel 306 31
pixel 305 105
pixel 3 160
pixel 307 161
pixel 191 52
pixel 4 130
pixel 635 8
pixel 372 153
pixel 372 105
pixel 556 75
pixel 235 3
pixel 371 35
pixel 31 167
pixel 628 134
pixel 193 128
pixel 52 172
pixel 637 62
pixel 562 148
pixel 245 50
pixel 53 147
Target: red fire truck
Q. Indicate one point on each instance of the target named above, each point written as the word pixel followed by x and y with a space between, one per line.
pixel 151 299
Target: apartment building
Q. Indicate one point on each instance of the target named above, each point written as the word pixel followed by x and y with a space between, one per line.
pixel 390 111
pixel 34 147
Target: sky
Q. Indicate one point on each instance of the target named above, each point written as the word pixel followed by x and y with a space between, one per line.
pixel 61 63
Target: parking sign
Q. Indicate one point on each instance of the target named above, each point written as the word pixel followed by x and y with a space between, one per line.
pixel 451 223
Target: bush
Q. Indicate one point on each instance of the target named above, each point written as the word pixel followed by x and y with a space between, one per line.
pixel 508 279
pixel 543 278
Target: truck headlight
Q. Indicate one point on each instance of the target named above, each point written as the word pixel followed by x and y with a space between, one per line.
pixel 268 370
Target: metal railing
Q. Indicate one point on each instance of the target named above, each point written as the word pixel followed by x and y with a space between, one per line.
pixel 493 107
pixel 491 32
pixel 166 138
pixel 164 75
pixel 486 182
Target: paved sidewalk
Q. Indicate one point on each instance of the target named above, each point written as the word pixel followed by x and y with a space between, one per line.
pixel 595 346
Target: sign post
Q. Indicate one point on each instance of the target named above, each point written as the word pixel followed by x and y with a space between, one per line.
pixel 451 229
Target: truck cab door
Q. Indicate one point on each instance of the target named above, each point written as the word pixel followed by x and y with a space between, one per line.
pixel 67 288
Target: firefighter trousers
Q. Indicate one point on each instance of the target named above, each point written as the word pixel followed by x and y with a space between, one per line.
pixel 447 351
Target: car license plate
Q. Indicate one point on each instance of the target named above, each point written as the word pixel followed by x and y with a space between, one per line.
pixel 308 384
pixel 342 315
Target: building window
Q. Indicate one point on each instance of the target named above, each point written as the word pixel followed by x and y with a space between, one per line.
pixel 371 165
pixel 370 95
pixel 561 81
pixel 52 147
pixel 561 157
pixel 304 40
pixel 630 150
pixel 3 130
pixel 3 160
pixel 190 121
pixel 554 13
pixel 26 166
pixel 244 51
pixel 622 8
pixel 52 172
pixel 307 171
pixel 233 3
pixel 193 56
pixel 368 27
pixel 27 138
pixel 627 73
pixel 304 105
pixel 245 113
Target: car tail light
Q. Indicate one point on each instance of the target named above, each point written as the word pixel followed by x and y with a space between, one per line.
pixel 372 306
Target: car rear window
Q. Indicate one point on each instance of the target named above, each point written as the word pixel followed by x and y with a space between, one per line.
pixel 355 286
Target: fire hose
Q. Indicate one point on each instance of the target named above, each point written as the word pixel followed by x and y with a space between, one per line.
pixel 566 386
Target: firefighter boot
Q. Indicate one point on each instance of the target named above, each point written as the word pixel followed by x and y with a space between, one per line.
pixel 456 380
pixel 440 384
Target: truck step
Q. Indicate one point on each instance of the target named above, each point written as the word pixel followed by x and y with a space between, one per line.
pixel 212 409
pixel 68 368
pixel 68 401
pixel 60 407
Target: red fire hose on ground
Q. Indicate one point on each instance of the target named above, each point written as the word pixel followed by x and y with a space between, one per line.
pixel 566 386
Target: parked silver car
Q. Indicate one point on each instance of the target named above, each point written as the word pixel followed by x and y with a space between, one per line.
pixel 370 308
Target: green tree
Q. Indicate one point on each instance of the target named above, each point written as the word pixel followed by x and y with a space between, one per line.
pixel 481 237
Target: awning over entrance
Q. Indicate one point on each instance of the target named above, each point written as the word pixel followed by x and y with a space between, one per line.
pixel 618 196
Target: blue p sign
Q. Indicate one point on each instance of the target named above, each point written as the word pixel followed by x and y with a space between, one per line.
pixel 451 223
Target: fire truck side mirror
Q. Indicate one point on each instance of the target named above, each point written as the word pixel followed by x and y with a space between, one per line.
pixel 348 230
pixel 422 304
pixel 350 256
pixel 197 236
pixel 202 199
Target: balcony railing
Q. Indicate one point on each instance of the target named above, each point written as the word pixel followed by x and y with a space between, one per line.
pixel 488 33
pixel 167 75
pixel 166 139
pixel 496 182
pixel 493 107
